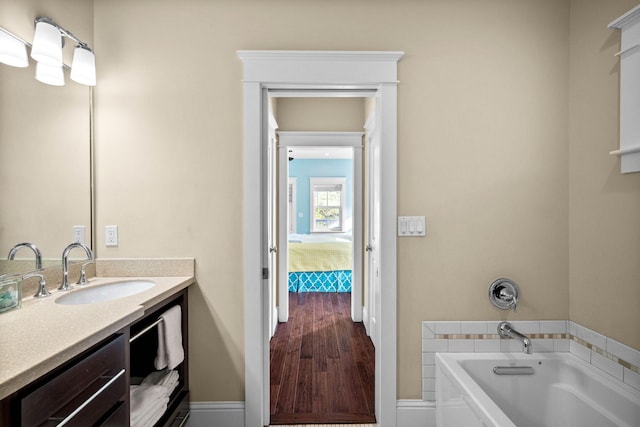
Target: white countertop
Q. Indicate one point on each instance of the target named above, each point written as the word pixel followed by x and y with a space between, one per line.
pixel 42 334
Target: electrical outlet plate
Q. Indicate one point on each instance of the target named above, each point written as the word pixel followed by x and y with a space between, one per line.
pixel 111 235
pixel 79 234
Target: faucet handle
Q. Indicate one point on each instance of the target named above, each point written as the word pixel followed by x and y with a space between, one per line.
pixel 83 274
pixel 42 288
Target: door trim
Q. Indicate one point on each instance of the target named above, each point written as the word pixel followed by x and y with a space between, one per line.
pixel 314 70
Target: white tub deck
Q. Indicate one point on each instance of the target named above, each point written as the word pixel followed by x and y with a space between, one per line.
pixel 562 391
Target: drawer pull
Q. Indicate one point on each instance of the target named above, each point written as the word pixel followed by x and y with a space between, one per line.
pixel 184 419
pixel 90 399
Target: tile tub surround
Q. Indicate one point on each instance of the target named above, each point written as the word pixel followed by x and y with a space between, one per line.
pixel 604 353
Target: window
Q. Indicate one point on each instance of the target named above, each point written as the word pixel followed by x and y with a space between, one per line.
pixel 327 204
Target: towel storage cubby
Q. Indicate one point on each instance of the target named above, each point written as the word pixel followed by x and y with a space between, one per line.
pixel 142 351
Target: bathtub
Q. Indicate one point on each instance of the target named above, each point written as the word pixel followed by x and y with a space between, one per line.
pixel 536 390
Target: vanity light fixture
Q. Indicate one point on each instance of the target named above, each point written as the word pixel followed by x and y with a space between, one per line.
pixel 83 67
pixel 13 50
pixel 49 74
pixel 48 42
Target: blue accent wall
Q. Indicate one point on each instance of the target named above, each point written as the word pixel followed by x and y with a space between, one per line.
pixel 302 170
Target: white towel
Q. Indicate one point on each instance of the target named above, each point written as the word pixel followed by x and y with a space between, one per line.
pixel 153 415
pixel 170 351
pixel 148 403
pixel 167 379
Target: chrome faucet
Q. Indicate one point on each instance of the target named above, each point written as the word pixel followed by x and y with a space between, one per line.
pixel 64 286
pixel 36 251
pixel 505 329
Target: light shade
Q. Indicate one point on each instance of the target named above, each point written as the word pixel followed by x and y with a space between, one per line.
pixel 83 67
pixel 12 51
pixel 47 44
pixel 49 74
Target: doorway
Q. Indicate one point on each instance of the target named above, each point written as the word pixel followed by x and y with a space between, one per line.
pixel 314 70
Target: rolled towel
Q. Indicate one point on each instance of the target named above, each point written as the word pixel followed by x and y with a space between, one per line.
pixel 170 351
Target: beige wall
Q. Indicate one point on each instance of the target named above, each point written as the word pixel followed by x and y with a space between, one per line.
pixel 483 115
pixel 320 114
pixel 484 148
pixel 604 204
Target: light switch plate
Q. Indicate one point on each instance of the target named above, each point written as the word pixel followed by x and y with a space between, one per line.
pixel 411 226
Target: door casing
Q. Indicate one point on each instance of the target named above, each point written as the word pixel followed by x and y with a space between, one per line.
pixel 314 70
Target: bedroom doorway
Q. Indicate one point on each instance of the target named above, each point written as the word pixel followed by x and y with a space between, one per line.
pixel 321 260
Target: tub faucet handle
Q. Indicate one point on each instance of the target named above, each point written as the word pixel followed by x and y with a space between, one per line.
pixel 509 297
pixel 504 294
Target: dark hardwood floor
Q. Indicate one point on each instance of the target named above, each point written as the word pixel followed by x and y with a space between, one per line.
pixel 322 363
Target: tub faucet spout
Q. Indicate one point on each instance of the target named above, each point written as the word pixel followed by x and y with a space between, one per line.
pixel 505 329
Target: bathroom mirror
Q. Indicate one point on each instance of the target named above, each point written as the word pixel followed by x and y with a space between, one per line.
pixel 45 166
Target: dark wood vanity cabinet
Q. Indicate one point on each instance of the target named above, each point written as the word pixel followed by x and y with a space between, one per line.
pixel 92 389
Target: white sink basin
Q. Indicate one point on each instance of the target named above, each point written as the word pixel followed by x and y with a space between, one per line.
pixel 106 292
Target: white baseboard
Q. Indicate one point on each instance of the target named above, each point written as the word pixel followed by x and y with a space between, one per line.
pixel 416 413
pixel 207 414
pixel 411 413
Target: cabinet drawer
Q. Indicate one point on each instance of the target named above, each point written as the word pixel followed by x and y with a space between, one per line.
pixel 82 393
pixel 118 418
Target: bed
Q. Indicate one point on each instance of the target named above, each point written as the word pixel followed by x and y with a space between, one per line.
pixel 319 263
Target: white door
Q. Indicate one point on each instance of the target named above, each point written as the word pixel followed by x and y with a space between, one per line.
pixel 272 231
pixel 373 165
pixel 292 210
